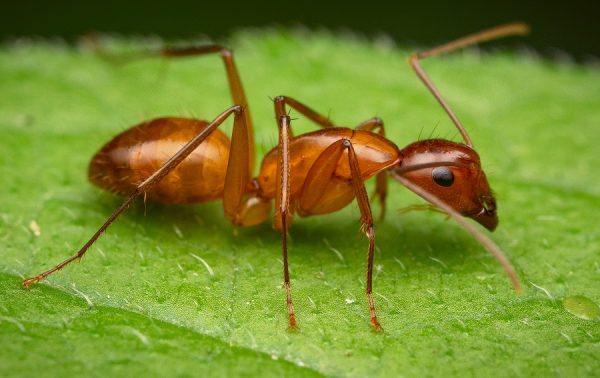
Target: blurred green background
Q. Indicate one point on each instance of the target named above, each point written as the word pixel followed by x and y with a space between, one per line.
pixel 561 29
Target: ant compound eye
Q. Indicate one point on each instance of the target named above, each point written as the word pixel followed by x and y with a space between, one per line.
pixel 442 176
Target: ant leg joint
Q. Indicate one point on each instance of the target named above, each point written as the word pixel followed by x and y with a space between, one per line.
pixel 237 109
pixel 282 118
pixel 370 231
pixel 346 142
pixel 226 51
pixel 280 99
pixel 378 121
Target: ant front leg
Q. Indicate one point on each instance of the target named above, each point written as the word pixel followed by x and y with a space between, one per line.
pixel 149 183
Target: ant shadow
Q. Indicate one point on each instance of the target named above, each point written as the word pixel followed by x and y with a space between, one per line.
pixel 415 242
pixel 408 241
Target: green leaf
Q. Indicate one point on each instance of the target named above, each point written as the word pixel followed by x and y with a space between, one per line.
pixel 142 301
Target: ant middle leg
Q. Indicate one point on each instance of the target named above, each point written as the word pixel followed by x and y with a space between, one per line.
pixel 319 178
pixel 282 206
pixel 281 102
pixel 283 212
pixel 321 120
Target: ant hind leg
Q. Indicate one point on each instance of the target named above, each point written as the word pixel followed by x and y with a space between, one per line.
pixel 147 185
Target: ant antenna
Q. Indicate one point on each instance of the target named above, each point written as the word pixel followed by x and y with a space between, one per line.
pixel 483 36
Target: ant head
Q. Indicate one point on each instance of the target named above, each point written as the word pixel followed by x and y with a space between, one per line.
pixel 451 172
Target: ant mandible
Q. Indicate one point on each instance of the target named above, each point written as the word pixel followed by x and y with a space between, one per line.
pixel 314 173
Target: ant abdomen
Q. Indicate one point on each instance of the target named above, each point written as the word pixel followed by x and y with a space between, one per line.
pixel 136 153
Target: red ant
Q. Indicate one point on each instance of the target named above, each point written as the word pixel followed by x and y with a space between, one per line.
pixel 314 173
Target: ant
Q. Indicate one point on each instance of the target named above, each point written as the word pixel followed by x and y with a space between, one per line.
pixel 177 160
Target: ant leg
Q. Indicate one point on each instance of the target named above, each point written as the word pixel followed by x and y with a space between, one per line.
pixel 317 179
pixel 147 185
pixel 366 221
pixel 421 207
pixel 282 205
pixel 372 124
pixel 239 170
pixel 319 119
pixel 238 95
pixel 381 181
pixel 482 36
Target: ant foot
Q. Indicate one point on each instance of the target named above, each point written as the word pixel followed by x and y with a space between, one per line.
pixel 376 326
pixel 30 281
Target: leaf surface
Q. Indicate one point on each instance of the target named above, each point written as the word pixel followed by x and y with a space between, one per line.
pixel 143 302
